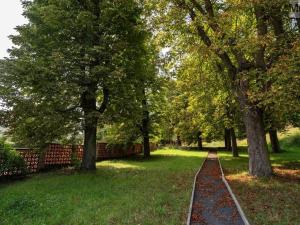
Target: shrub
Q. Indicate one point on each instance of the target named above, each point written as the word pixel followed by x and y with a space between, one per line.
pixel 11 163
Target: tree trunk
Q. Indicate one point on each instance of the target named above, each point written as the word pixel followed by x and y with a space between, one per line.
pixel 90 129
pixel 274 140
pixel 200 141
pixel 178 141
pixel 89 154
pixel 145 125
pixel 235 152
pixel 227 139
pixel 146 143
pixel 259 162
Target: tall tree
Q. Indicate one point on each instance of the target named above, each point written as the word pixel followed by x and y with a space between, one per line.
pixel 135 120
pixel 248 38
pixel 70 59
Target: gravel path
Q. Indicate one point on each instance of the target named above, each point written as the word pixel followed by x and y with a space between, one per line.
pixel 212 203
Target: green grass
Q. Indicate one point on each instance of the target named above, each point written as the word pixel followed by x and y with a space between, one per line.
pixel 131 191
pixel 139 192
pixel 274 201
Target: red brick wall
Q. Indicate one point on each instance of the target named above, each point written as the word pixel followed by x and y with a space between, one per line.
pixel 79 152
pixel 57 154
pixel 31 158
pixel 61 155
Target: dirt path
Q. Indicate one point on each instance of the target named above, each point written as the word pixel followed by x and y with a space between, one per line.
pixel 212 202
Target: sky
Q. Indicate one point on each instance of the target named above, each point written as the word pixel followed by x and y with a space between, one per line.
pixel 10 17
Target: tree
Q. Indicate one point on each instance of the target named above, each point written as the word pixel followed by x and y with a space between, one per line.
pixel 136 119
pixel 70 59
pixel 248 38
pixel 283 97
pixel 202 103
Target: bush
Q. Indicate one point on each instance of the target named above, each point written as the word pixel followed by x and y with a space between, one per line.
pixel 11 163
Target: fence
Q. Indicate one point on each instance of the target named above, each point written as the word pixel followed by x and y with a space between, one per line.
pixel 31 158
pixel 62 155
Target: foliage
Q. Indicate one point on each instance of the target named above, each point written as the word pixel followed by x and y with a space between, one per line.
pixel 68 50
pixel 283 97
pixel 123 122
pixel 240 47
pixel 10 159
pixel 200 101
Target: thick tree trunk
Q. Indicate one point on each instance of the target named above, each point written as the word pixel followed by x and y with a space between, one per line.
pixel 200 141
pixel 89 153
pixel 145 125
pixel 235 152
pixel 90 129
pixel 274 140
pixel 227 139
pixel 259 162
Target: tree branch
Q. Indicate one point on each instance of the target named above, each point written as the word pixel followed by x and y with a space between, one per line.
pixel 105 100
pixel 262 30
pixel 242 61
pixel 198 7
pixel 219 52
pixel 209 8
pixel 200 30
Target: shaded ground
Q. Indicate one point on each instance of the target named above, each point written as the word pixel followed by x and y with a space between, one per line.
pixel 213 204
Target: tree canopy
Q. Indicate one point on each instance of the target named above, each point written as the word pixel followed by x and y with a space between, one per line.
pixel 160 70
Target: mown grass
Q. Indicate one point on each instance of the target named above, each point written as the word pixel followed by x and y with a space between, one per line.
pixel 274 201
pixel 130 191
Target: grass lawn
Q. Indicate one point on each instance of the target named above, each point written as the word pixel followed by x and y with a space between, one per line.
pixel 269 202
pixel 131 191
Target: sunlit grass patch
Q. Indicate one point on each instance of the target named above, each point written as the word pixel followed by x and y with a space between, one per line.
pixel 175 152
pixel 117 165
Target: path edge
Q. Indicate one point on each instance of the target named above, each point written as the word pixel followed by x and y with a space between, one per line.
pixel 238 206
pixel 188 222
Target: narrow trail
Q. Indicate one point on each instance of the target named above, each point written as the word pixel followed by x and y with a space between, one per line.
pixel 212 203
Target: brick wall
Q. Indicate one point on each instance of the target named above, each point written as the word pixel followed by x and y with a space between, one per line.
pixel 32 159
pixel 61 155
